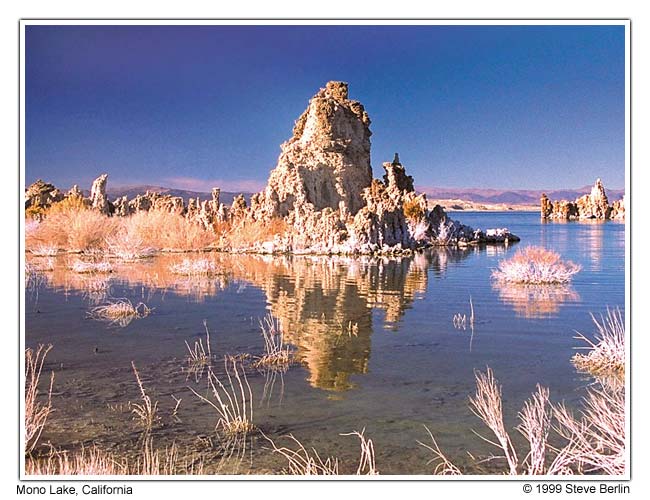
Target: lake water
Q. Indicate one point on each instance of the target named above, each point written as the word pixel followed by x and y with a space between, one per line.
pixel 375 337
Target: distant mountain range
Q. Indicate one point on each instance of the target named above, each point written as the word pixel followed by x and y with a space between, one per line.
pixel 514 196
pixel 475 195
pixel 132 191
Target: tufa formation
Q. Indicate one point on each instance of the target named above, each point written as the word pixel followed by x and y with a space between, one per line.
pixel 594 205
pixel 321 195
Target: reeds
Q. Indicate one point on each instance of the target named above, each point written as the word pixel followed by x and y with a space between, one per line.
pixel 233 400
pixel 120 312
pixel 200 356
pixel 276 355
pixel 86 267
pixel 86 462
pixel 444 467
pixel 535 265
pixel 303 462
pixel 606 355
pixel 591 443
pixel 486 404
pixel 36 412
pixel 367 458
pixel 146 412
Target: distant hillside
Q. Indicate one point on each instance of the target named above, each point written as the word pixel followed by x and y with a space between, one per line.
pixel 513 197
pixel 132 191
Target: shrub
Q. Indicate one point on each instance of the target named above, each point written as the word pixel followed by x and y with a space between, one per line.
pixel 413 210
pixel 535 265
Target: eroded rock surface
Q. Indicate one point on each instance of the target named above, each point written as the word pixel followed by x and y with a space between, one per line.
pixel 327 160
pixel 593 205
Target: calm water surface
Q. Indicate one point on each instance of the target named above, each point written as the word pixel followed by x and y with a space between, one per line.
pixel 375 338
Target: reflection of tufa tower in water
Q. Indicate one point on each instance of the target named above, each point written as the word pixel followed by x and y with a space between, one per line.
pixel 325 306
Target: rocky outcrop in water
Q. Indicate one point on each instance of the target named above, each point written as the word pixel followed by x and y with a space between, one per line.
pixel 41 194
pixel 326 163
pixel 98 199
pixel 320 198
pixel 593 205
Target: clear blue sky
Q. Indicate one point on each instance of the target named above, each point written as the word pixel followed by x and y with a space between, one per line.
pixel 534 107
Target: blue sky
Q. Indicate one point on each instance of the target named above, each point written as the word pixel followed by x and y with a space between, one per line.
pixel 530 107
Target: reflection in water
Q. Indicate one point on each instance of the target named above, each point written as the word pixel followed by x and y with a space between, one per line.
pixel 535 301
pixel 325 304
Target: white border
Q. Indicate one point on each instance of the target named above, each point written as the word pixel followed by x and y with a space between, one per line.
pixel 348 22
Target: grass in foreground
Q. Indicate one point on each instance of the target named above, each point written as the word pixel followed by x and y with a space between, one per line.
pixel 594 442
pixel 606 356
pixel 36 412
pixel 147 412
pixel 233 400
pixel 535 266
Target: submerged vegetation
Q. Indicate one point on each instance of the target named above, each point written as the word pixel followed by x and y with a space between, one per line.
pixel 535 266
pixel 120 312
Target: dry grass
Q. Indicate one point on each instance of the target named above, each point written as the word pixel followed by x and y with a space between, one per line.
pixel 596 439
pixel 73 228
pixel 86 267
pixel 535 265
pixel 120 312
pixel 413 210
pixel 233 400
pixel 303 462
pixel 199 357
pixel 87 462
pixel 277 356
pixel 593 443
pixel 367 458
pixel 444 467
pixel 36 412
pixel 606 356
pixel 147 412
pixel 159 229
pixel 95 462
pixel 127 246
pixel 248 233
pixel 486 404
pixel 203 268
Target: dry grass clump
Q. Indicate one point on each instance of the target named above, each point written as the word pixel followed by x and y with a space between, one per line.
pixel 96 462
pixel 200 356
pixel 127 246
pixel 163 230
pixel 147 412
pixel 606 356
pixel 413 210
pixel 233 400
pixel 592 443
pixel 303 462
pixel 535 265
pixel 248 233
pixel 195 268
pixel 277 355
pixel 121 312
pixel 36 412
pixel 444 466
pixel 86 267
pixel 596 439
pixel 71 227
pixel 87 462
